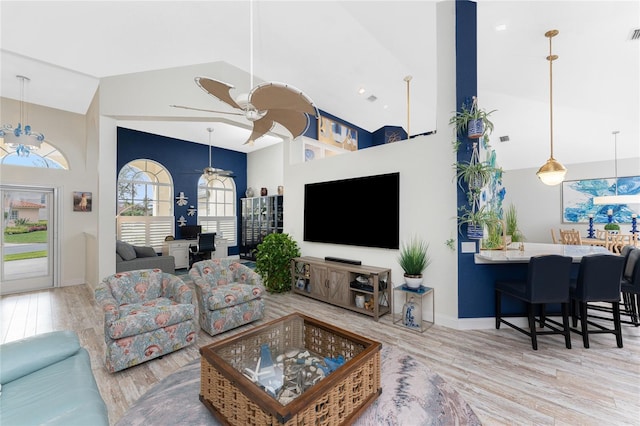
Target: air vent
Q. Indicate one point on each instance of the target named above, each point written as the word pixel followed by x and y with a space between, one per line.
pixel 635 34
pixel 504 138
pixel 372 98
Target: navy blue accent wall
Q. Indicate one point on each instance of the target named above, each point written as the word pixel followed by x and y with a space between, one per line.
pixel 475 282
pixel 383 134
pixel 183 160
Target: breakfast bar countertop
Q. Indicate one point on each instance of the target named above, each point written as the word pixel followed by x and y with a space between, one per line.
pixel 514 255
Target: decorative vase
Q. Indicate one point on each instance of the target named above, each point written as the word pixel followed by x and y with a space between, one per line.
pixel 249 192
pixel 475 129
pixel 263 192
pixel 413 281
pixel 475 232
pixel 411 315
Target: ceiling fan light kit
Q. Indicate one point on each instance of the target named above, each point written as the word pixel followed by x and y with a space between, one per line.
pixel 552 172
pixel 211 171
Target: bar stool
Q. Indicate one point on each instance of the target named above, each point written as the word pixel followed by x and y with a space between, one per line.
pixel 630 285
pixel 599 280
pixel 548 281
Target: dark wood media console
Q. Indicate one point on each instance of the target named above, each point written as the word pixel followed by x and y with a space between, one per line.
pixel 343 284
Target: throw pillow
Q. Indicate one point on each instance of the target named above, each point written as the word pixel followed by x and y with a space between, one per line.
pixel 119 258
pixel 125 250
pixel 144 251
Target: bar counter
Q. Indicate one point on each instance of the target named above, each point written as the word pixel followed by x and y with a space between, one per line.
pixel 514 255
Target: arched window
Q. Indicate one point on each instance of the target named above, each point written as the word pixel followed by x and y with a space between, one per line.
pixel 47 156
pixel 145 204
pixel 217 207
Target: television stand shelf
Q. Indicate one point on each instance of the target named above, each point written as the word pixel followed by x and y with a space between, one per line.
pixel 359 288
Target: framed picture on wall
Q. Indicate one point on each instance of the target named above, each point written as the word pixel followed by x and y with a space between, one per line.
pixel 81 201
pixel 578 195
pixel 337 134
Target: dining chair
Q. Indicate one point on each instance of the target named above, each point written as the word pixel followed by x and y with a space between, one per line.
pixel 614 242
pixel 570 237
pixel 599 280
pixel 548 281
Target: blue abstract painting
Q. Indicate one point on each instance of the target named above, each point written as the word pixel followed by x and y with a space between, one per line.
pixel 578 195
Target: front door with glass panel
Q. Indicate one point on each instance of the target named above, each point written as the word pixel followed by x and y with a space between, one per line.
pixel 27 239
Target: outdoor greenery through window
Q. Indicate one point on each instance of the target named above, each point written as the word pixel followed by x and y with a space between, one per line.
pixel 145 204
pixel 217 206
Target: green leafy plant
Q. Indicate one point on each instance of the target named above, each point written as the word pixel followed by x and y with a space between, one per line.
pixel 273 261
pixel 474 174
pixel 494 238
pixel 482 217
pixel 612 227
pixel 461 118
pixel 414 257
pixel 511 219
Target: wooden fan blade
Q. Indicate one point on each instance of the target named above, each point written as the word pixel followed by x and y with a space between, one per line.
pixel 207 110
pixel 217 89
pixel 260 128
pixel 294 121
pixel 268 96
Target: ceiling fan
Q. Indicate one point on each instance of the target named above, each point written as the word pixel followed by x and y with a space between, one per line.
pixel 265 105
pixel 210 170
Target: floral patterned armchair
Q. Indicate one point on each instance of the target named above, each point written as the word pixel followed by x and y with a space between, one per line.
pixel 147 313
pixel 229 294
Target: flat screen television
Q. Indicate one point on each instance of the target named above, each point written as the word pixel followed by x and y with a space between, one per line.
pixel 190 232
pixel 363 211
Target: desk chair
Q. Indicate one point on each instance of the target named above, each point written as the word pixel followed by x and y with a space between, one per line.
pixel 548 281
pixel 206 245
pixel 599 280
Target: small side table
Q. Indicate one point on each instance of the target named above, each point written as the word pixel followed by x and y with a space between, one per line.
pixel 418 295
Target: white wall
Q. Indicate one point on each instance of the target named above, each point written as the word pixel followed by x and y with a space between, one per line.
pixel 67 132
pixel 265 169
pixel 427 188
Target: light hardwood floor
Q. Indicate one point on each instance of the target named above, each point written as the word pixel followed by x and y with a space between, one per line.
pixel 496 371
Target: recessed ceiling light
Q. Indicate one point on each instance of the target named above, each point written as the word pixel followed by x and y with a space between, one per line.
pixel 501 27
pixel 361 90
pixel 386 107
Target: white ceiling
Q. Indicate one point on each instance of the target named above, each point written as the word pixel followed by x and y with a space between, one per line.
pixel 329 49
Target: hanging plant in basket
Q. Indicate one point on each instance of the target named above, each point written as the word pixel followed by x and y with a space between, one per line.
pixel 473 121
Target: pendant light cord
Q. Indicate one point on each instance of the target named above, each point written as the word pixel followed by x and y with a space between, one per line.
pixel 615 154
pixel 551 58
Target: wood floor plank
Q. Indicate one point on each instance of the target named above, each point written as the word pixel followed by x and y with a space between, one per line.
pixel 496 371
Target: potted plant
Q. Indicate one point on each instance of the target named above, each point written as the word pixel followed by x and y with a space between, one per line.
pixel 612 227
pixel 414 259
pixel 476 220
pixel 511 219
pixel 472 120
pixel 273 261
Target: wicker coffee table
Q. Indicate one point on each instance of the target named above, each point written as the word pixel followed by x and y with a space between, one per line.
pixel 233 391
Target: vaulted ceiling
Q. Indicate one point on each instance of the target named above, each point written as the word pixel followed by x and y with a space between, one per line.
pixel 331 49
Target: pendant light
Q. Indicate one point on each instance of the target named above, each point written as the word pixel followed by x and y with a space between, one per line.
pixel 552 172
pixel 616 199
pixel 21 138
